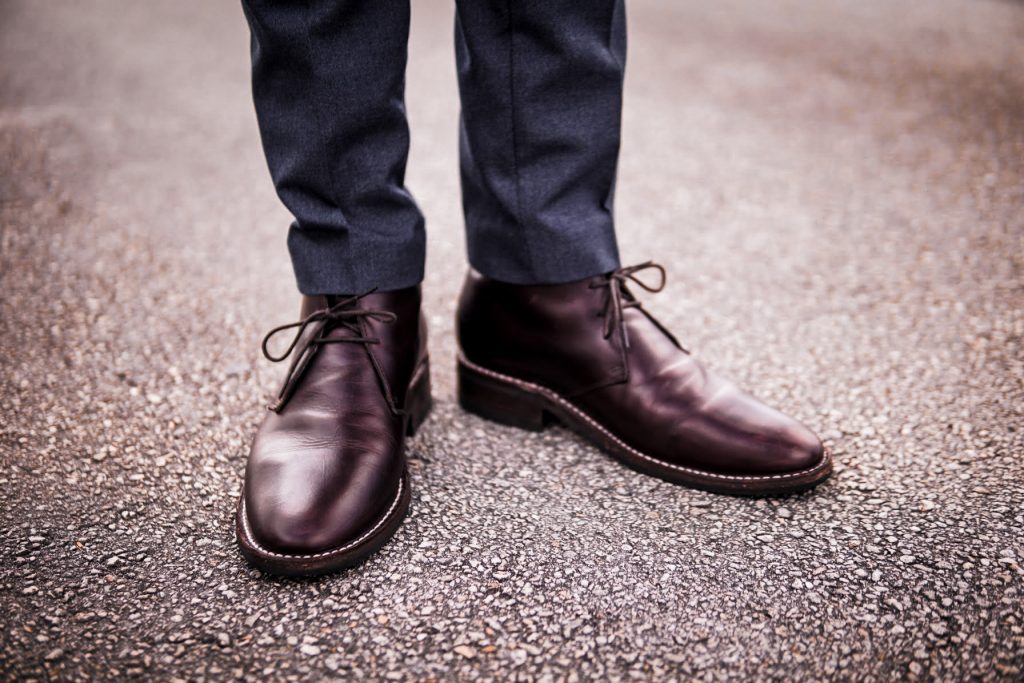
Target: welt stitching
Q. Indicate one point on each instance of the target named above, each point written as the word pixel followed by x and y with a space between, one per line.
pixel 334 551
pixel 535 388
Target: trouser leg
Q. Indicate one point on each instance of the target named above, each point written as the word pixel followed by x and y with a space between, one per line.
pixel 328 79
pixel 541 88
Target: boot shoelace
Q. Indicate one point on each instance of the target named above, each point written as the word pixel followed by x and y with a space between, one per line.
pixel 620 298
pixel 313 331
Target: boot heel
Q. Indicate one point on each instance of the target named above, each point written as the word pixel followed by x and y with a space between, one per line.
pixel 418 399
pixel 500 401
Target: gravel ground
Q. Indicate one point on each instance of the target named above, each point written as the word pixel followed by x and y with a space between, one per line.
pixel 838 191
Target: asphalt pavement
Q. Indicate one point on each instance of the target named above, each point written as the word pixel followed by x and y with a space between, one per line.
pixel 837 190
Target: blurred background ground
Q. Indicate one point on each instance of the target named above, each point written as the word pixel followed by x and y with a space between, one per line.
pixel 837 188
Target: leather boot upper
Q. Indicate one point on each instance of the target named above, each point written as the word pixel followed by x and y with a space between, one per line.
pixel 594 344
pixel 327 460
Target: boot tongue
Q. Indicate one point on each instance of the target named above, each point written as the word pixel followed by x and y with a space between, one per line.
pixel 312 304
pixel 335 299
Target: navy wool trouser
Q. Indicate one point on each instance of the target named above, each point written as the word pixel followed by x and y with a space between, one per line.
pixel 540 83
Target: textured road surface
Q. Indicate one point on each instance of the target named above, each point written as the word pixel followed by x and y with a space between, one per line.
pixel 838 190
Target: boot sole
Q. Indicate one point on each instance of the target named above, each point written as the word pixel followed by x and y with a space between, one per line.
pixel 517 403
pixel 353 553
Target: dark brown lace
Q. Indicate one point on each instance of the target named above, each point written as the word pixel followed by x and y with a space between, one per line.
pixel 620 298
pixel 344 314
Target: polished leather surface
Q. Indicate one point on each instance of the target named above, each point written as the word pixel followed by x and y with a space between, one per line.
pixel 638 382
pixel 324 467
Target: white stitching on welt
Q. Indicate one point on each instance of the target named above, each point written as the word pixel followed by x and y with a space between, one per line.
pixel 252 541
pixel 537 389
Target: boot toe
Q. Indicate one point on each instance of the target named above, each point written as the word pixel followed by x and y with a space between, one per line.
pixel 316 519
pixel 798 449
pixel 294 530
